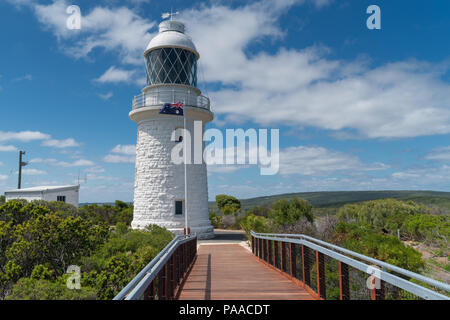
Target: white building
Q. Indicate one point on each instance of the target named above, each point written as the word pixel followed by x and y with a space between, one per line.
pixel 159 194
pixel 67 194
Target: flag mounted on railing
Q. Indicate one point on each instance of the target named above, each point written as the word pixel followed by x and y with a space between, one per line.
pixel 172 108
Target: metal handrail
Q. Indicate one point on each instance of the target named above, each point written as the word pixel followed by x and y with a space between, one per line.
pixel 157 97
pixel 331 251
pixel 407 273
pixel 136 287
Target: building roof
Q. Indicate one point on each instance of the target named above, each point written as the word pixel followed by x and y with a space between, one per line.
pixel 171 35
pixel 44 188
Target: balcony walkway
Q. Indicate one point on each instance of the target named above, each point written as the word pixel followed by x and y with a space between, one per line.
pixel 228 271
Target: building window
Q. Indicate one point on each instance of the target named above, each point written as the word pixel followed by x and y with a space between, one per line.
pixel 179 207
pixel 61 198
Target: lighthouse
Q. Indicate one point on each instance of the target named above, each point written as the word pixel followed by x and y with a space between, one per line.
pixel 166 193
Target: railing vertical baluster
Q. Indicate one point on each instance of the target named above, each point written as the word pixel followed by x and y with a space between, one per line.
pixel 172 277
pixel 166 281
pixel 266 243
pixel 321 285
pixel 377 294
pixel 344 287
pixel 292 259
pixel 305 265
pixel 276 253
pixel 261 249
pixel 282 262
pixel 149 293
pixel 160 285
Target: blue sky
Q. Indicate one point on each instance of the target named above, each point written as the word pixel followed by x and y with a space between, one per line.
pixel 357 109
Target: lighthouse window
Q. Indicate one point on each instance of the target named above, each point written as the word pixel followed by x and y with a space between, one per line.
pixel 61 198
pixel 171 65
pixel 178 207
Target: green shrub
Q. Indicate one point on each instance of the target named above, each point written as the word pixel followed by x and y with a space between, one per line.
pixel 427 227
pixel 285 212
pixel 41 289
pixel 378 214
pixel 364 240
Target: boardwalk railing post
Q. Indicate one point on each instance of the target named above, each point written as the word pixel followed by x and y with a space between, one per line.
pixel 276 247
pixel 266 250
pixel 149 293
pixel 292 259
pixel 253 244
pixel 321 285
pixel 282 262
pixel 305 265
pixel 377 294
pixel 172 277
pixel 344 287
pixel 273 253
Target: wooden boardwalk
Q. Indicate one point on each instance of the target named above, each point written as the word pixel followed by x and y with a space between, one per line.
pixel 231 272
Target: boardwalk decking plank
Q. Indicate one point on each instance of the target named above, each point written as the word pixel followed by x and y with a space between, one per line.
pixel 230 272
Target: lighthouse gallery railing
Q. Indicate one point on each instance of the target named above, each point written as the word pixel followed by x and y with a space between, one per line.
pixel 157 97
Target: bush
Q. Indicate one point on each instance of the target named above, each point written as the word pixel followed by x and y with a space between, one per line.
pixel 427 227
pixel 287 212
pixel 364 240
pixel 255 223
pixel 40 289
pixel 227 204
pixel 380 214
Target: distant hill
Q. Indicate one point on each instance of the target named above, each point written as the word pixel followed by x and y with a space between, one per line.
pixel 336 199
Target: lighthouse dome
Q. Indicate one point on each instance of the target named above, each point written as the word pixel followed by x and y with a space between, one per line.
pixel 171 34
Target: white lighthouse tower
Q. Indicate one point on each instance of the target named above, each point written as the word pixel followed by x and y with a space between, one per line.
pixel 159 192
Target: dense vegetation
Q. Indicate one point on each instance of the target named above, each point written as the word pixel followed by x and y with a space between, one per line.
pixel 368 227
pixel 40 240
pixel 413 220
pixel 333 200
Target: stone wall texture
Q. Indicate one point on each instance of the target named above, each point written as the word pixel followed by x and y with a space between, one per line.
pixel 159 182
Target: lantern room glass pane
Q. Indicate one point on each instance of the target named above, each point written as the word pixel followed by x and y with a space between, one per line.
pixel 171 65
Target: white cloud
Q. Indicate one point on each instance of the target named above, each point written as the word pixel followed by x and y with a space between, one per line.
pixel 125 149
pixel 114 158
pixel 102 178
pixel 24 136
pixel 77 163
pixel 122 154
pixel 45 161
pixel 306 87
pixel 7 148
pixel 113 29
pixel 424 177
pixel 54 162
pixel 33 172
pixel 440 154
pixel 320 161
pixel 27 77
pixel 114 75
pixel 96 169
pixel 60 143
pixel 106 96
pixel 3 177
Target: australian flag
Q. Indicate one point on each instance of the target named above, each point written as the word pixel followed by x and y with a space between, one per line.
pixel 172 108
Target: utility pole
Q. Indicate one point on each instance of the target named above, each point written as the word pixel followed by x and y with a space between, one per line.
pixel 21 164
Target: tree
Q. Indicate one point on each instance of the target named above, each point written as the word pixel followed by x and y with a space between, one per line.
pixel 227 204
pixel 2 200
pixel 380 214
pixel 285 212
